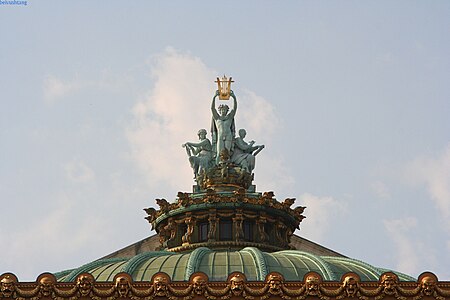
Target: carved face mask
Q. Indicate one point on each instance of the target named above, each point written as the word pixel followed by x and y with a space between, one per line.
pixel 312 284
pixel 199 284
pixel 351 286
pixel 46 286
pixel 160 285
pixel 389 283
pixel 237 285
pixel 122 286
pixel 428 284
pixel 7 287
pixel 84 284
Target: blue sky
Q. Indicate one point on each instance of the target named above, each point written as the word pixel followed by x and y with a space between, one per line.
pixel 351 99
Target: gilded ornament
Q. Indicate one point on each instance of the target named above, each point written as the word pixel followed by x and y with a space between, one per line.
pixel 199 282
pixel 163 205
pixel 313 288
pixel 7 286
pixel 275 281
pixel 224 87
pixel 122 286
pixel 428 285
pixel 187 237
pixel 152 215
pixel 312 285
pixel 389 287
pixel 287 203
pixel 46 287
pixel 428 288
pixel 84 284
pixel 350 288
pixel 237 283
pixel 160 284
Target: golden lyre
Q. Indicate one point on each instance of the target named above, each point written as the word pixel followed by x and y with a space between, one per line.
pixel 224 87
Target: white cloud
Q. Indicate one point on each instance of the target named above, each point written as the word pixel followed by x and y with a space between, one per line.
pixel 47 242
pixel 55 88
pixel 319 212
pixel 78 171
pixel 434 173
pixel 257 115
pixel 380 189
pixel 173 111
pixel 400 230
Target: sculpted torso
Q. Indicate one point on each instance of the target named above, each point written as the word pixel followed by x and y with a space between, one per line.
pixel 224 123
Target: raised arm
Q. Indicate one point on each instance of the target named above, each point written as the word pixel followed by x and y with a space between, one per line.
pixel 233 111
pixel 213 106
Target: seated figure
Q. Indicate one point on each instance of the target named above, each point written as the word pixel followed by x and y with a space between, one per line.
pixel 200 154
pixel 244 153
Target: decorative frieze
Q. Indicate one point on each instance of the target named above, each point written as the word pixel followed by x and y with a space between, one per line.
pixel 199 287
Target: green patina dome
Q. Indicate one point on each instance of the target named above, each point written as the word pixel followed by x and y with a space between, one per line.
pixel 254 263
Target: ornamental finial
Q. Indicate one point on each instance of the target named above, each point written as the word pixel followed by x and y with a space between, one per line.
pixel 224 87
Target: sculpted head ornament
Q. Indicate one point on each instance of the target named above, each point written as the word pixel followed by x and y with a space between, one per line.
pixel 7 286
pixel 84 284
pixel 351 285
pixel 122 286
pixel 46 285
pixel 275 281
pixel 389 283
pixel 312 284
pixel 160 283
pixel 199 284
pixel 428 283
pixel 237 284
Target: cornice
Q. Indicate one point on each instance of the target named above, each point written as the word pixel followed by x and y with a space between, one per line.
pixel 198 286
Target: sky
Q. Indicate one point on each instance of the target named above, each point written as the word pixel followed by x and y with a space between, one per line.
pixel 350 98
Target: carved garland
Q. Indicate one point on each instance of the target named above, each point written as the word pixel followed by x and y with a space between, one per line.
pixel 46 287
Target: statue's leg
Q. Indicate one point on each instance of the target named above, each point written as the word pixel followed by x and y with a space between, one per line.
pixel 220 146
pixel 244 165
pixel 250 163
pixel 228 143
pixel 194 165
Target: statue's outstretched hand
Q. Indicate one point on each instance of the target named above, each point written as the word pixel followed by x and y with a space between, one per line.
pixel 232 93
pixel 217 93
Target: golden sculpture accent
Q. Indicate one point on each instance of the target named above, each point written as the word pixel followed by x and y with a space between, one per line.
pixel 122 286
pixel 236 287
pixel 312 284
pixel 237 282
pixel 275 281
pixel 351 288
pixel 84 284
pixel 224 87
pixel 8 286
pixel 177 228
pixel 389 285
pixel 160 284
